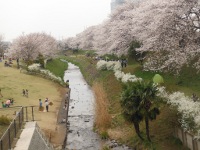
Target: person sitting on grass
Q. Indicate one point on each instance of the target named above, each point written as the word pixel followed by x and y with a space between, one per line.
pixel 11 101
pixel 3 105
pixel 6 64
pixel 8 103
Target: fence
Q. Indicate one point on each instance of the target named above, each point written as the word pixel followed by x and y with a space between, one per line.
pixel 66 101
pixel 187 139
pixel 17 123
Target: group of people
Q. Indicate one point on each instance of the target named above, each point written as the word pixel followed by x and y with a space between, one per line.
pixel 7 64
pixel 46 102
pixel 7 103
pixel 123 62
pixel 25 92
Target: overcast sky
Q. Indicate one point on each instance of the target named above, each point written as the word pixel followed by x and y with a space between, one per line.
pixel 60 18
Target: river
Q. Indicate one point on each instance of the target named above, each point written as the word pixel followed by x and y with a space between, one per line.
pixel 81 115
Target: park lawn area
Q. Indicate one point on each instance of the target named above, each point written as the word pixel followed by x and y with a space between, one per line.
pixel 13 81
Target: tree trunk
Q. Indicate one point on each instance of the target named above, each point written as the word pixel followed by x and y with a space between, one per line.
pixel 17 63
pixel 147 128
pixel 137 129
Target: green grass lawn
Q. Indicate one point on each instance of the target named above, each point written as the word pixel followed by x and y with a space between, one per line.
pixel 57 67
pixel 13 81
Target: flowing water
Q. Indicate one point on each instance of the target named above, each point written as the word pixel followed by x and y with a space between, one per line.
pixel 81 115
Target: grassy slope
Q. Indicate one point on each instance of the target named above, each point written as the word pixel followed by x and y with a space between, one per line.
pixel 161 129
pixel 57 67
pixel 12 82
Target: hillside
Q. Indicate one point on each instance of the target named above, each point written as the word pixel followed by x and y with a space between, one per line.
pixel 14 80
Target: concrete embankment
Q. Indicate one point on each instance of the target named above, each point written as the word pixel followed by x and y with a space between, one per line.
pixel 32 138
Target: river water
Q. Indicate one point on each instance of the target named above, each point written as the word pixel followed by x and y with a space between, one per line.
pixel 81 113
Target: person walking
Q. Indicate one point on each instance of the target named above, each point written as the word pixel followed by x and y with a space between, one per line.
pixel 40 105
pixel 47 104
pixel 67 83
pixel 26 92
pixel 23 92
pixel 122 63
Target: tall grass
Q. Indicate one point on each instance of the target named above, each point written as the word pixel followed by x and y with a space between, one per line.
pixel 102 116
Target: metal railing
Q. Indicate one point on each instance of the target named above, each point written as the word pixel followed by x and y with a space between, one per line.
pixel 16 124
pixel 12 130
pixel 67 101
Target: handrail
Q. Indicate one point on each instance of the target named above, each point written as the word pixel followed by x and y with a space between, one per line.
pixel 15 125
pixel 11 132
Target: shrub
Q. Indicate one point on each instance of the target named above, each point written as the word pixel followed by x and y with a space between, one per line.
pixel 35 68
pixel 104 135
pixel 4 120
pixel 116 67
pixel 106 148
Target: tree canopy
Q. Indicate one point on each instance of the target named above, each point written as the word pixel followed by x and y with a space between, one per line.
pixel 30 46
pixel 168 31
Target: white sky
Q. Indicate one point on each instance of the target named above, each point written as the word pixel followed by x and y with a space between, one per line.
pixel 60 18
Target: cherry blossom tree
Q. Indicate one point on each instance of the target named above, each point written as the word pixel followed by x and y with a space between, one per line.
pixel 30 46
pixel 168 31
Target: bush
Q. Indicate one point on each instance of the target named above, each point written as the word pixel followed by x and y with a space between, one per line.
pixel 106 148
pixel 4 120
pixel 110 57
pixel 104 135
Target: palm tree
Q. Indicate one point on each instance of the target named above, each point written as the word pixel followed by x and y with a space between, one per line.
pixel 148 96
pixel 130 103
pixel 138 102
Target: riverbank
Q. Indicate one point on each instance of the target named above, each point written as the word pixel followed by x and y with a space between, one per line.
pixel 121 130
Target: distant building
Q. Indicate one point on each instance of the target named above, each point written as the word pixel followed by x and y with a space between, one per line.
pixel 115 3
pixel 4 46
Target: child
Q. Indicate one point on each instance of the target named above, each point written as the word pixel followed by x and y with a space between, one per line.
pixel 3 105
pixel 47 104
pixel 40 105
